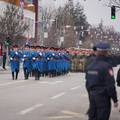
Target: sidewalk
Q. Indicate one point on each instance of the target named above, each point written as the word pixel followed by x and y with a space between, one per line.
pixel 2 71
pixel 8 70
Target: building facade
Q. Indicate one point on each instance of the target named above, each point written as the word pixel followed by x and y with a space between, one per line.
pixel 28 11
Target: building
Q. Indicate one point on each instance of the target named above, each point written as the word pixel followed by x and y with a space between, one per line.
pixel 29 14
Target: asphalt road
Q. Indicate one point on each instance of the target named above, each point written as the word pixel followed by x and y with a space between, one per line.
pixel 59 98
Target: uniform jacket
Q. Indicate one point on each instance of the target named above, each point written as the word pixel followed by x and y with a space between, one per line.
pixel 100 78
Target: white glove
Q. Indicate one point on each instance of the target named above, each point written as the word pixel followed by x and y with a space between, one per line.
pixel 11 58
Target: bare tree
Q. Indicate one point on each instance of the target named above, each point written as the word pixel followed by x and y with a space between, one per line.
pixel 46 15
pixel 12 24
pixel 114 2
pixel 103 33
pixel 68 21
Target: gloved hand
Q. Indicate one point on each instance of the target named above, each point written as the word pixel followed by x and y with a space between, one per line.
pixel 118 83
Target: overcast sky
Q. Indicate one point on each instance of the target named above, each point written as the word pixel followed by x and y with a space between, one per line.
pixel 95 10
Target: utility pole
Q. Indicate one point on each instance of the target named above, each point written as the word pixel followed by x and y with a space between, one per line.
pixel 36 21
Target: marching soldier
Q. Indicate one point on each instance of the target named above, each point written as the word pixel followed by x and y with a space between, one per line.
pixel 15 57
pixel 67 63
pixel 59 64
pixel 33 57
pixel 51 63
pixel 39 63
pixel 27 66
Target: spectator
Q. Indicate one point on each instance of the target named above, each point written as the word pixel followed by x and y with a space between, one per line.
pixel 4 60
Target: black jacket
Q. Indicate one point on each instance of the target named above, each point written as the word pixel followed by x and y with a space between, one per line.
pixel 118 78
pixel 99 77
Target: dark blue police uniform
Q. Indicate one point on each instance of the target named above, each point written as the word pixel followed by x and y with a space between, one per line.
pixel 100 85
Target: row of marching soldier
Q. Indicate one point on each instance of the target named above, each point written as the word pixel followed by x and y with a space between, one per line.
pixel 39 61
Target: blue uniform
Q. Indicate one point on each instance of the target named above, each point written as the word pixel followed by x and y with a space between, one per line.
pixel 33 56
pixel 67 62
pixel 59 63
pixel 40 62
pixel 45 67
pixel 51 63
pixel 15 60
pixel 27 63
pixel 15 57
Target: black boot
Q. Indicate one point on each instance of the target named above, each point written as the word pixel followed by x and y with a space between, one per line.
pixel 27 75
pixel 13 75
pixel 16 75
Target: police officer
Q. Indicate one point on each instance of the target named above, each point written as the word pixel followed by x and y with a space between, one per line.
pixel 100 85
pixel 90 60
pixel 4 60
pixel 15 57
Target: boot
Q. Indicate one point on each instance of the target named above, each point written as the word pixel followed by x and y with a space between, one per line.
pixel 12 75
pixel 16 76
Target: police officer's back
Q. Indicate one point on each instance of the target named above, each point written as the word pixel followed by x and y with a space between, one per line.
pixel 100 84
pixel 92 57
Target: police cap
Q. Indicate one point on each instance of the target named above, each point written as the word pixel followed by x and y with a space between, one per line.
pixel 103 46
pixel 94 48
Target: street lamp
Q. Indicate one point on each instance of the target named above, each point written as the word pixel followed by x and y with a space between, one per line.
pixel 35 2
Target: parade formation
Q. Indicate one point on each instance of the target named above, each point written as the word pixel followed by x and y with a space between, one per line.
pixel 39 61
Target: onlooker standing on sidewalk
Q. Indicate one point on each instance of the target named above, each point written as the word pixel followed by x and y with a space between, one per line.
pixel 4 60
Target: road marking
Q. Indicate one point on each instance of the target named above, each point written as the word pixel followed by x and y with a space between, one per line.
pixel 22 86
pixel 85 95
pixel 59 81
pixel 68 114
pixel 74 114
pixel 51 83
pixel 60 117
pixel 74 88
pixel 56 82
pixel 10 83
pixel 59 95
pixel 23 112
pixel 43 82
